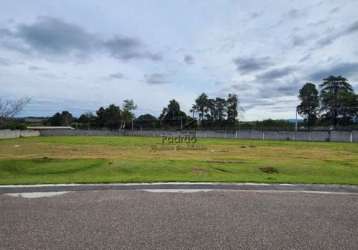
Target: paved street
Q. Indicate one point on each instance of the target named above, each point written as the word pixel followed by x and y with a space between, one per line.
pixel 222 219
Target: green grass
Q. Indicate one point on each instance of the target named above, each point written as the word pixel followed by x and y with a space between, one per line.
pixel 140 159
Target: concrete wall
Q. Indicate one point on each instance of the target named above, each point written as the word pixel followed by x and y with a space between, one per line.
pixel 344 136
pixel 7 133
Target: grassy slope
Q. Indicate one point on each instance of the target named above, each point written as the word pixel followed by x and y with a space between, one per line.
pixel 138 159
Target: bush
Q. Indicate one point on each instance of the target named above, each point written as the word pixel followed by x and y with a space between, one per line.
pixel 13 125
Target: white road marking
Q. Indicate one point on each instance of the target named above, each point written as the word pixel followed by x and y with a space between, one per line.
pixel 176 190
pixel 300 191
pixel 33 195
pixel 238 190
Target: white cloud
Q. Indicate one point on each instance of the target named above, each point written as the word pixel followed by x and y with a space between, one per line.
pixel 97 54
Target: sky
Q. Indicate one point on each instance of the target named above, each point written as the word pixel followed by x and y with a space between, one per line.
pixel 80 55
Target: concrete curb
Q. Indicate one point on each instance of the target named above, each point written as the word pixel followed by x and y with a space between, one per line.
pixel 181 185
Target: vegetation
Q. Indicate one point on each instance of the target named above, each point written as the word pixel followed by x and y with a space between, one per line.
pixel 337 102
pixel 216 113
pixel 334 104
pixel 144 159
pixel 61 119
pixel 213 113
pixel 8 110
pixel 309 106
pixel 172 115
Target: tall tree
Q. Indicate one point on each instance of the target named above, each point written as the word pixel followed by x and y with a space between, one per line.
pixel 193 110
pixel 220 108
pixel 232 108
pixel 127 112
pixel 309 106
pixel 334 95
pixel 217 109
pixel 201 105
pixel 349 108
pixel 210 114
pixel 172 115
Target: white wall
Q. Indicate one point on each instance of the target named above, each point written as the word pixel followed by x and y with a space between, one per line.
pixel 7 133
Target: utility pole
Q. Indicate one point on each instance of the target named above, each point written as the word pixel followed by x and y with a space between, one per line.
pixel 296 126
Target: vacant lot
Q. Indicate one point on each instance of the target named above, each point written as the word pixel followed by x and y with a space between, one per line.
pixel 143 159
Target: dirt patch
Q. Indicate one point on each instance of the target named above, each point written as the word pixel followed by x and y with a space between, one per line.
pixel 222 150
pixel 199 171
pixel 269 170
pixel 226 161
pixel 222 170
pixel 42 159
pixel 177 147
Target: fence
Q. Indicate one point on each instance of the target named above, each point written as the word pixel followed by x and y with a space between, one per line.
pixel 339 136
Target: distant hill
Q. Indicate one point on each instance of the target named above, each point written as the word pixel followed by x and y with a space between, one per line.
pixel 294 120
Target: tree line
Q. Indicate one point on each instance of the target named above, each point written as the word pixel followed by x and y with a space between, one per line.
pixel 111 117
pixel 205 112
pixel 334 103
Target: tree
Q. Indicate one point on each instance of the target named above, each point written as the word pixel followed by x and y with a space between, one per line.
pixel 201 105
pixel 220 108
pixel 8 108
pixel 217 109
pixel 109 117
pixel 335 94
pixel 61 119
pixel 193 110
pixel 147 117
pixel 309 106
pixel 210 115
pixel 172 115
pixel 213 112
pixel 87 120
pixel 127 114
pixel 67 118
pixel 232 108
pixel 146 121
pixel 349 108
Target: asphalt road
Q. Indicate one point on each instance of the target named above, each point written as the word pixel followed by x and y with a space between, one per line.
pixel 220 219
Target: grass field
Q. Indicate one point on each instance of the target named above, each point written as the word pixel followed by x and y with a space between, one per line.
pixel 141 159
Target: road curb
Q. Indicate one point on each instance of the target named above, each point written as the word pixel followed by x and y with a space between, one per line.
pixel 182 185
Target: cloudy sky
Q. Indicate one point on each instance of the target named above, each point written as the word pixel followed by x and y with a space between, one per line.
pixel 79 55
